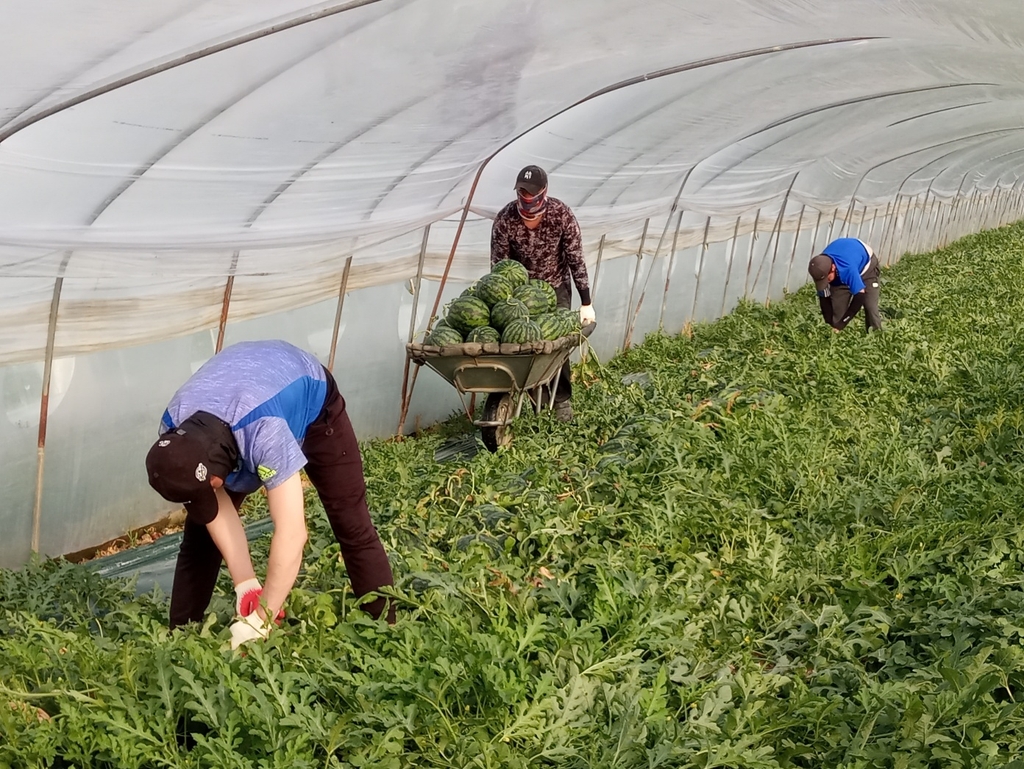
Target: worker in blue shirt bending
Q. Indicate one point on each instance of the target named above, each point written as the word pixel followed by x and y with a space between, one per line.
pixel 253 416
pixel 846 274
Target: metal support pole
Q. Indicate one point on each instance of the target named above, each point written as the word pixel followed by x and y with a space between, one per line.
pixel 905 231
pixel 668 272
pixel 418 283
pixel 636 278
pixel 863 218
pixel 728 266
pixel 924 224
pixel 750 253
pixel 229 286
pixel 342 290
pixel 874 219
pixel 44 399
pixel 777 234
pixel 700 271
pixel 796 239
pixel 940 225
pixel 814 238
pixel 832 225
pixel 886 243
pixel 953 228
pixel 970 212
pixel 597 267
pixel 848 216
pixel 631 325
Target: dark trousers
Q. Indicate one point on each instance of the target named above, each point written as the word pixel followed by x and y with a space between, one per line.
pixel 563 391
pixel 335 468
pixel 841 297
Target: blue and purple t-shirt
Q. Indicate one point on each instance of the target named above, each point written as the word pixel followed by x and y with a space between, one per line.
pixel 269 393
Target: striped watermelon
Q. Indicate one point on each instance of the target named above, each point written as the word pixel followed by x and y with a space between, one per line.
pixel 492 288
pixel 467 313
pixel 521 331
pixel 571 318
pixel 513 271
pixel 442 335
pixel 484 334
pixel 549 292
pixel 551 324
pixel 506 311
pixel 534 298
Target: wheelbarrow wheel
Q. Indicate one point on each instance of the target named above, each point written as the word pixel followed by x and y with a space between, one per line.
pixel 498 408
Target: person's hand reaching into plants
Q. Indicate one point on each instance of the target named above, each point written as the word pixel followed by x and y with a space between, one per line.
pixel 247 599
pixel 249 628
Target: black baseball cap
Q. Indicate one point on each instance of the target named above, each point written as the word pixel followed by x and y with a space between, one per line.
pixel 532 179
pixel 184 458
pixel 819 268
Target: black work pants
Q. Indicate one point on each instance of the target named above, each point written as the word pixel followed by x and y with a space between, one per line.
pixel 335 468
pixel 563 392
pixel 841 297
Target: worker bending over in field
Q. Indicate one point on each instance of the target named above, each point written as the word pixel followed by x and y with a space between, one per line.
pixel 846 275
pixel 542 234
pixel 254 415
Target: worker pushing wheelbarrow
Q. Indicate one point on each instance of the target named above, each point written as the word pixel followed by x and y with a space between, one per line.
pixel 519 314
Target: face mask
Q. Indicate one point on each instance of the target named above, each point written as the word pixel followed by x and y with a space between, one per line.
pixel 531 206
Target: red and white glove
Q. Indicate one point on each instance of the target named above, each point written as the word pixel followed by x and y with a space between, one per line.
pixel 247 599
pixel 249 628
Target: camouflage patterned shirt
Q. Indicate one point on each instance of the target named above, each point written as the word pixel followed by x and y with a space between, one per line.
pixel 553 251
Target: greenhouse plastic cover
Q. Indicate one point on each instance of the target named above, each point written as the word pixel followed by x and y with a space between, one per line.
pixel 149 150
pixel 181 175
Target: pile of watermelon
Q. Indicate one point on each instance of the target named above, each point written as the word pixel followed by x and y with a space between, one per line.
pixel 506 306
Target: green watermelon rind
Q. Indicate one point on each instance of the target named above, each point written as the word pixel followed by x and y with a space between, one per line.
pixel 552 325
pixel 513 271
pixel 548 290
pixel 521 331
pixel 533 297
pixel 493 288
pixel 506 311
pixel 466 313
pixel 444 335
pixel 484 334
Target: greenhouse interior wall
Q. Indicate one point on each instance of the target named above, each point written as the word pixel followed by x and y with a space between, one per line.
pixel 201 175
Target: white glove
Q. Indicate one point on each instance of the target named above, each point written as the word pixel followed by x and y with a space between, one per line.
pixel 587 314
pixel 247 597
pixel 247 629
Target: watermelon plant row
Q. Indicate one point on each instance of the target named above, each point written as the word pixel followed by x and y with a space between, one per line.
pixel 765 545
pixel 505 305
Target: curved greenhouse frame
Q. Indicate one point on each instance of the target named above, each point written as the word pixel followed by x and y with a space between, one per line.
pixel 180 176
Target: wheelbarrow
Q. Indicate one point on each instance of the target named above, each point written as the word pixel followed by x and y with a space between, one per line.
pixel 507 374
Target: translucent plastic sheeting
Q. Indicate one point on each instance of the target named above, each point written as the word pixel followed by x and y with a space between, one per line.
pixel 155 151
pixel 104 405
pixel 180 175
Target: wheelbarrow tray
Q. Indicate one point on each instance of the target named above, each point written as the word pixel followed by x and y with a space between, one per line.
pixel 487 368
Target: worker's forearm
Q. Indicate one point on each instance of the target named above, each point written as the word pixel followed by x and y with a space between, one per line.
pixel 855 304
pixel 228 535
pixel 288 514
pixel 286 549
